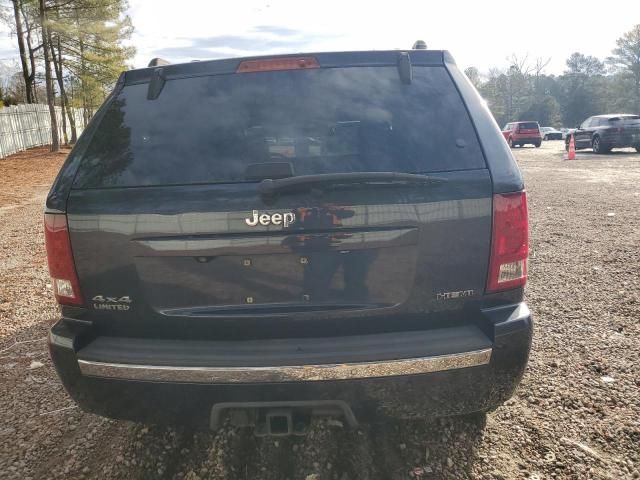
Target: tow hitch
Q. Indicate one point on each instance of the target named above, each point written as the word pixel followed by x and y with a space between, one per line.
pixel 279 419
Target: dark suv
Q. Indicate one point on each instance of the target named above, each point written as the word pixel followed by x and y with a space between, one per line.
pixel 604 132
pixel 266 239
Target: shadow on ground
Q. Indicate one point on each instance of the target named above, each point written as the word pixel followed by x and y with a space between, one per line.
pixel 391 450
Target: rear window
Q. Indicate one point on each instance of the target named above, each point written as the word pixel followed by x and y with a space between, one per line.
pixel 626 120
pixel 212 128
pixel 528 125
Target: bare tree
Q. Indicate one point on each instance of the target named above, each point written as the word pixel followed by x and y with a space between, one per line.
pixel 538 70
pixel 55 140
pixel 474 76
pixel 519 64
pixel 56 54
pixel 27 75
pixel 540 65
pixel 31 29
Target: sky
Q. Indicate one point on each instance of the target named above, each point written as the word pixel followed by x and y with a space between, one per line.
pixel 480 33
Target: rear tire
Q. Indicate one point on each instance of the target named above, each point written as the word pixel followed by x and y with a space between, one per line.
pixel 637 149
pixel 537 144
pixel 511 145
pixel 598 146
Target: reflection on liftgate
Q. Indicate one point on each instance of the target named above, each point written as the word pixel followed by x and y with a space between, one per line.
pixel 347 236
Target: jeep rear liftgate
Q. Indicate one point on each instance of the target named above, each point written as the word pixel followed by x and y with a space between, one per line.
pixel 139 258
pixel 311 194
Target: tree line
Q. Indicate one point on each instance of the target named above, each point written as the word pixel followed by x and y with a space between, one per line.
pixel 588 86
pixel 71 54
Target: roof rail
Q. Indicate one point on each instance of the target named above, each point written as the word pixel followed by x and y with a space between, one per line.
pixel 419 45
pixel 158 62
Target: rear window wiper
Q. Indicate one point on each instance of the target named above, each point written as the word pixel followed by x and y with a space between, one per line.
pixel 269 187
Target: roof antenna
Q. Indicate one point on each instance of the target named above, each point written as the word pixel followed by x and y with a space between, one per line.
pixel 404 68
pixel 419 45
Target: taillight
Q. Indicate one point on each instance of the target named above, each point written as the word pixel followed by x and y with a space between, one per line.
pixel 283 63
pixel 509 242
pixel 61 267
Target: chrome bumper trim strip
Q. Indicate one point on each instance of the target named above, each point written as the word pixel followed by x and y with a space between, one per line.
pixel 287 373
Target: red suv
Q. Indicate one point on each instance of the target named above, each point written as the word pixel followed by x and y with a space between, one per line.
pixel 521 133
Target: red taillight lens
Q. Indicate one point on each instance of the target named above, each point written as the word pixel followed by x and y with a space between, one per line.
pixel 61 267
pixel 509 242
pixel 271 64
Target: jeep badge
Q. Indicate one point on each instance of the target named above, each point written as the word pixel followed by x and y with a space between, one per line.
pixel 265 219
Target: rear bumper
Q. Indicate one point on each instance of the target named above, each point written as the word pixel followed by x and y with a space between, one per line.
pixel 460 371
pixel 527 139
pixel 285 373
pixel 625 140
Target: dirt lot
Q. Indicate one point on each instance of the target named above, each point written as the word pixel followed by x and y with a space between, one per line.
pixel 575 415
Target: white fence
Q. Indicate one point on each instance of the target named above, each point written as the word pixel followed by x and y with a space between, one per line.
pixel 26 126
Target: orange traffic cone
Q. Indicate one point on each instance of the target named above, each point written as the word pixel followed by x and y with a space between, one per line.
pixel 572 149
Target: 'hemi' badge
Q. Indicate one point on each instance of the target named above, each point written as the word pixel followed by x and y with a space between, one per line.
pixel 452 295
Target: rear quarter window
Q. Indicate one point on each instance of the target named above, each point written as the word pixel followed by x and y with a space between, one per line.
pixel 211 128
pixel 627 121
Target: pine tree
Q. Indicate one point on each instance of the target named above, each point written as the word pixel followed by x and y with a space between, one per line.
pixel 626 58
pixel 78 44
pixel 90 35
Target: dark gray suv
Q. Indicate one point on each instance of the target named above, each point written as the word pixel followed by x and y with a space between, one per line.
pixel 604 132
pixel 266 239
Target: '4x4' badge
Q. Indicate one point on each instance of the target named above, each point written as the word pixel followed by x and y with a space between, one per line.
pixel 101 302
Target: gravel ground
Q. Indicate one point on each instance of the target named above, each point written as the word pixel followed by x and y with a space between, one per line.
pixel 575 415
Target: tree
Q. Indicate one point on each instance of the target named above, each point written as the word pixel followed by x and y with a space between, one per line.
pixel 522 90
pixel 90 36
pixel 538 74
pixel 22 22
pixel 584 66
pixel 626 58
pixel 55 140
pixel 583 88
pixel 491 91
pixel 28 76
pixel 79 46
pixel 620 93
pixel 474 76
pixel 546 111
